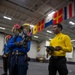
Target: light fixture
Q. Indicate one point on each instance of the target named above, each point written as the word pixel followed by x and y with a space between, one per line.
pixel 36 36
pixel 72 40
pixel 50 14
pixel 49 31
pixel 7 17
pixel 72 23
pixel 2 28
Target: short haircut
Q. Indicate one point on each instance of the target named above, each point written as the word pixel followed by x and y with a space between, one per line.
pixel 59 26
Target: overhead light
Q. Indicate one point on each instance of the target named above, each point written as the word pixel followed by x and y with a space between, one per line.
pixel 72 23
pixel 2 28
pixel 31 26
pixel 50 14
pixel 7 17
pixel 36 36
pixel 72 40
pixel 49 31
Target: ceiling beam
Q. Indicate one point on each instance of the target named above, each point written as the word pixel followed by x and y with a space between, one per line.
pixel 29 9
pixel 25 7
pixel 15 11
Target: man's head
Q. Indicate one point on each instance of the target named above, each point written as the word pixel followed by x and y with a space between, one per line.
pixel 25 28
pixel 7 38
pixel 16 29
pixel 57 28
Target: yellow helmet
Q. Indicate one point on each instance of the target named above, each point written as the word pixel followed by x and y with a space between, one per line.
pixel 27 25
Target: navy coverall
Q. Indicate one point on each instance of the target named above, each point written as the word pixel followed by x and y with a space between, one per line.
pixel 5 58
pixel 19 66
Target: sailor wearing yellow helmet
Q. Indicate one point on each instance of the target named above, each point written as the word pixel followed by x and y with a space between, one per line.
pixel 26 34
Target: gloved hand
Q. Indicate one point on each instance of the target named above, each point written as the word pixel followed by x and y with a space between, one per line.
pixel 4 56
pixel 26 45
pixel 29 38
pixel 18 44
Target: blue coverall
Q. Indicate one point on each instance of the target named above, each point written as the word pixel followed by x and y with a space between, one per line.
pixel 22 65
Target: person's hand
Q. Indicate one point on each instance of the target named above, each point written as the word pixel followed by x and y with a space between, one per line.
pixel 58 48
pixel 19 43
pixel 4 55
pixel 47 50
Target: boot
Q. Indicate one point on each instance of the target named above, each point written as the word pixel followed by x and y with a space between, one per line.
pixel 4 74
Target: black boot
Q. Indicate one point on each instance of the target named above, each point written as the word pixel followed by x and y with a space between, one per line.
pixel 4 74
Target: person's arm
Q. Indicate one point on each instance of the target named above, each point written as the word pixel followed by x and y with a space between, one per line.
pixel 17 42
pixel 68 44
pixel 3 48
pixel 29 44
pixel 11 43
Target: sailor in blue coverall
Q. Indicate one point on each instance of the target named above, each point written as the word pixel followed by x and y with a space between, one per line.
pixel 26 32
pixel 5 55
pixel 18 62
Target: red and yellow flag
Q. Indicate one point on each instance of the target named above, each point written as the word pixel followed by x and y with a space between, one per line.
pixel 41 25
pixel 58 16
